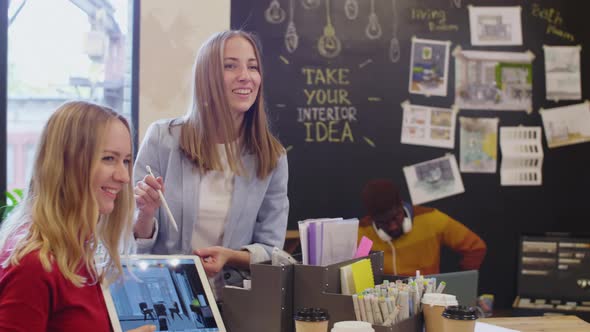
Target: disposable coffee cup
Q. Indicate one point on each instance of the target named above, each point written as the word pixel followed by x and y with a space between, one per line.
pixel 352 326
pixel 459 319
pixel 433 305
pixel 311 320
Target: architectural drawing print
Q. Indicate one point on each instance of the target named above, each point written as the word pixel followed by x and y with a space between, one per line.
pixel 479 145
pixel 429 67
pixel 495 25
pixel 433 179
pixel 562 73
pixel 566 125
pixel 493 80
pixel 428 126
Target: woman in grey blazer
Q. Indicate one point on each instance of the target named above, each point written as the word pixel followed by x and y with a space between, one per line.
pixel 225 174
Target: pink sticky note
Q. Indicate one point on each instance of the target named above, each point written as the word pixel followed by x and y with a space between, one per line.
pixel 364 247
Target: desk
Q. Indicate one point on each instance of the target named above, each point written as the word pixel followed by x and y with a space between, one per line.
pixel 540 323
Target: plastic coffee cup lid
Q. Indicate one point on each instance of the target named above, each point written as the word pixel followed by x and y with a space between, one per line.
pixel 460 312
pixel 439 299
pixel 352 326
pixel 311 315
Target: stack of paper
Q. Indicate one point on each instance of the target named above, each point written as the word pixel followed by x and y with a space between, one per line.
pixel 328 240
pixel 522 156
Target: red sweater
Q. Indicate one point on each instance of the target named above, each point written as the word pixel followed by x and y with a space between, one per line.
pixel 32 299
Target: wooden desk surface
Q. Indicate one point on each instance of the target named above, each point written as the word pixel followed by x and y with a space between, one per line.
pixel 540 324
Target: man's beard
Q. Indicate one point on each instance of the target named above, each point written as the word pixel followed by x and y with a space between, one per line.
pixel 395 234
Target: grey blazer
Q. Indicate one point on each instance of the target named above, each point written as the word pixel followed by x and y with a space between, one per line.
pixel 257 218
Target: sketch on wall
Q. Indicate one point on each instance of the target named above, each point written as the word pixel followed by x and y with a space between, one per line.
pixel 566 125
pixel 428 126
pixel 429 67
pixel 562 73
pixel 493 80
pixel 495 26
pixel 434 179
pixel 479 147
pixel 522 156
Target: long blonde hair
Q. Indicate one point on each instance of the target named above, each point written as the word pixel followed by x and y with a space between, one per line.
pixel 59 215
pixel 210 117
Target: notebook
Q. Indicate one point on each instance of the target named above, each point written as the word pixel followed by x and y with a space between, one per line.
pixel 171 292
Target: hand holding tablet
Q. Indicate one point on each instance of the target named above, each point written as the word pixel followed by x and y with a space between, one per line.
pixel 170 292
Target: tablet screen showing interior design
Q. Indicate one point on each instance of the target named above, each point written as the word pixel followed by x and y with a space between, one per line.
pixel 171 292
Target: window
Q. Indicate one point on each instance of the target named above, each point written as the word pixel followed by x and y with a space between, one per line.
pixel 61 50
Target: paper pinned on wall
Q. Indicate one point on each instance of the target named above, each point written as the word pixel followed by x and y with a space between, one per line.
pixel 562 73
pixel 498 81
pixel 434 179
pixel 479 145
pixel 495 25
pixel 522 156
pixel 428 126
pixel 567 125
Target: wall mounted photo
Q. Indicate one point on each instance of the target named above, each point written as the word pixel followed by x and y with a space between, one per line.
pixel 428 126
pixel 479 145
pixel 562 73
pixel 493 80
pixel 434 179
pixel 495 26
pixel 566 125
pixel 429 67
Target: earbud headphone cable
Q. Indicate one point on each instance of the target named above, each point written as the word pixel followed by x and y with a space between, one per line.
pixel 393 258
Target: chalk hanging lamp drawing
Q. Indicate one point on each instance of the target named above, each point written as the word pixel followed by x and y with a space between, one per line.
pixel 310 4
pixel 329 45
pixel 394 48
pixel 274 13
pixel 351 9
pixel 291 37
pixel 373 29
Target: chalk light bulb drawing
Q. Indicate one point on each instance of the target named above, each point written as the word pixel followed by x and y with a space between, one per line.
pixel 274 13
pixel 291 37
pixel 329 45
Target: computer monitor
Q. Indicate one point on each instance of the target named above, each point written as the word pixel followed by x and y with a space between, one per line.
pixel 554 264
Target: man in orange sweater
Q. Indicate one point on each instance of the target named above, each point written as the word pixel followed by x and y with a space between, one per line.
pixel 411 237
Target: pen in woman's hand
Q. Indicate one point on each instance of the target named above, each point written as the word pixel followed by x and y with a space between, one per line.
pixel 164 201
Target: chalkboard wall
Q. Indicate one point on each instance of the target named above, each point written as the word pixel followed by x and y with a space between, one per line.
pixel 356 137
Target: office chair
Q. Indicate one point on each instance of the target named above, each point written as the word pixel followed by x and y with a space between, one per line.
pixel 174 310
pixel 161 312
pixel 146 311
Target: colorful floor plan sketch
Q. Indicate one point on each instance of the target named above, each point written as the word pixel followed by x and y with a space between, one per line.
pixel 479 145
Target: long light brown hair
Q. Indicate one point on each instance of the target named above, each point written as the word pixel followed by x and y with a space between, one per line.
pixel 209 120
pixel 60 214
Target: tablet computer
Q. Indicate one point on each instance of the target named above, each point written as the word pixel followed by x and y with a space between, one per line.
pixel 170 292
